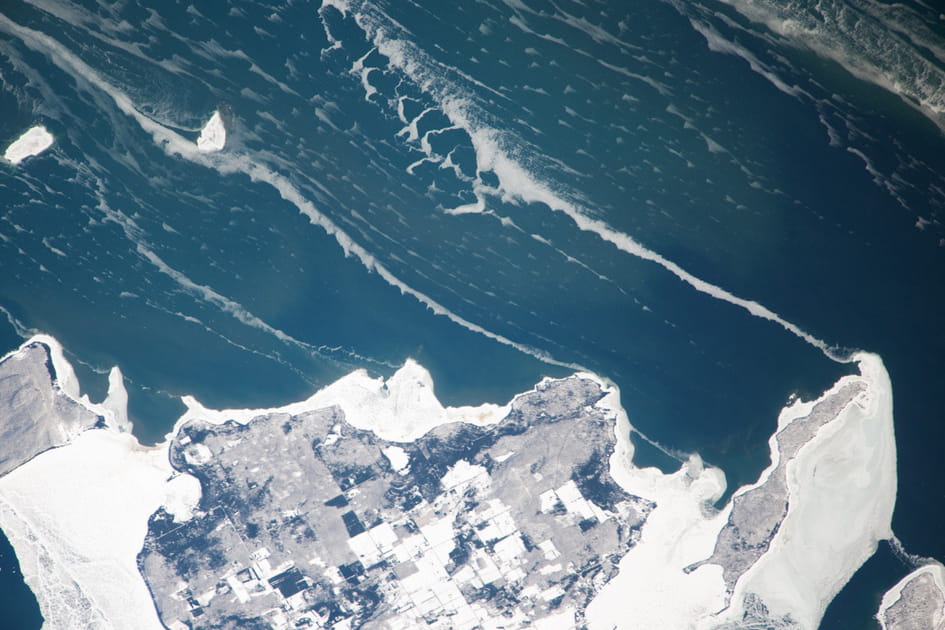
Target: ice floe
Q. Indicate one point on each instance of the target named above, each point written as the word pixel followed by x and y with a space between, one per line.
pixel 36 140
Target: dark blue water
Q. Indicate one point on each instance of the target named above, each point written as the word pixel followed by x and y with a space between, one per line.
pixel 854 608
pixel 18 607
pixel 323 239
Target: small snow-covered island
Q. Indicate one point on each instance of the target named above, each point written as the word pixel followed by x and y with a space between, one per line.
pixel 370 505
pixel 213 135
pixel 33 142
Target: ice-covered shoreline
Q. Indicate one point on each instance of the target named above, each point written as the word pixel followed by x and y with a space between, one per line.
pixel 56 507
pixel 113 408
pixel 77 516
pixel 843 488
pixel 77 512
pixel 817 549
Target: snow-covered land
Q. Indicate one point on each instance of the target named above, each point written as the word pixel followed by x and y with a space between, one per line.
pixel 213 135
pixel 838 501
pixel 77 515
pixel 33 142
pixel 916 602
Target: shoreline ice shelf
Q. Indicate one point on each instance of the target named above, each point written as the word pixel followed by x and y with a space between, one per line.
pixel 370 505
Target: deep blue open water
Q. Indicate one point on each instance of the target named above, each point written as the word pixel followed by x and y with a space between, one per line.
pixel 757 147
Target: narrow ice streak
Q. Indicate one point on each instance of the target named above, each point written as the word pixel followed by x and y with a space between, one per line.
pixel 213 135
pixel 173 144
pixel 291 194
pixel 518 185
pixel 33 142
pixel 360 69
pixel 200 291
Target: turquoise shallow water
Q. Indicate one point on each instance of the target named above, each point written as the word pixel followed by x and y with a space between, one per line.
pixel 325 238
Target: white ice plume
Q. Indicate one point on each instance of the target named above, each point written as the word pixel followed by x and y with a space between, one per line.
pixel 517 184
pixel 174 144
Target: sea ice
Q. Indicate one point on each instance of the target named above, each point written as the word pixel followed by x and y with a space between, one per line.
pixel 213 135
pixel 400 410
pixel 33 142
pixel 77 516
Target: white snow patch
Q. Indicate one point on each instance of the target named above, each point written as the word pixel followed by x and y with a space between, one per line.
pixel 398 457
pixel 182 496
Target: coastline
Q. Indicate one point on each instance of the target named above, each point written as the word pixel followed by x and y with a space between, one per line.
pixel 844 482
pixel 933 576
pixel 78 514
pixel 654 588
